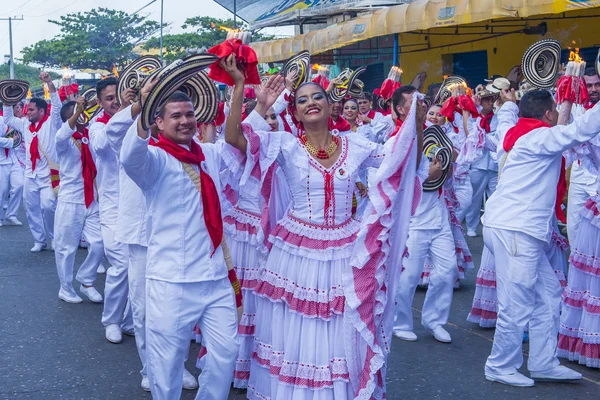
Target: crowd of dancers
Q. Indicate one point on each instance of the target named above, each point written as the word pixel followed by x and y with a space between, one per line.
pixel 286 224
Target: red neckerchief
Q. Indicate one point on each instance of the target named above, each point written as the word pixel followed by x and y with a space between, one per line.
pixel 210 198
pixel 104 118
pixel 6 150
pixel 486 122
pixel 523 127
pixel 589 105
pixel 399 123
pixel 341 124
pixel 34 150
pixel 371 114
pixel 88 167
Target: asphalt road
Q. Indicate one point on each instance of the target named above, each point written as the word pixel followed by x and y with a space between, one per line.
pixel 53 350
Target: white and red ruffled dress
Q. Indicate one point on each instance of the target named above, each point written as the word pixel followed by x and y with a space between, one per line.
pixel 298 345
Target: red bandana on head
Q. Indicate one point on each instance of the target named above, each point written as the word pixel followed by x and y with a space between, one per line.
pixel 34 149
pixel 210 197
pixel 88 167
pixel 523 127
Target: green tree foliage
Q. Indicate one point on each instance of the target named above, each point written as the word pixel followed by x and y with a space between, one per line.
pixel 94 39
pixel 206 33
pixel 25 73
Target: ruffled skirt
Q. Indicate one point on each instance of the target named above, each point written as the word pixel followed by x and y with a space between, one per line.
pixel 579 335
pixel 298 345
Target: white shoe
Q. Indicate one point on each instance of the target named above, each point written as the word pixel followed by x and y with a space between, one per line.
pixel 516 379
pixel 408 336
pixel 471 234
pixel 37 247
pixel 557 374
pixel 113 334
pixel 101 269
pixel 91 294
pixel 440 334
pixel 189 381
pixel 69 297
pixel 145 384
pixel 12 221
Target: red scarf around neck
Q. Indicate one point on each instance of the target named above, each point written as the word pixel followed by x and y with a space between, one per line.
pixel 34 149
pixel 399 123
pixel 523 127
pixel 6 149
pixel 88 167
pixel 371 114
pixel 104 118
pixel 486 122
pixel 341 124
pixel 210 197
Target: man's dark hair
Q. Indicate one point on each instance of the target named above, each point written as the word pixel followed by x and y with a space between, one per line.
pixel 591 71
pixel 366 96
pixel 535 103
pixel 398 96
pixel 67 110
pixel 103 84
pixel 40 103
pixel 177 97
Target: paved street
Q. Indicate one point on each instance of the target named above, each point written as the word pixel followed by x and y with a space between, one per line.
pixel 53 350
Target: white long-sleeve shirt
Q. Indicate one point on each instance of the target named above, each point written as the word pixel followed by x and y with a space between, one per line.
pixel 46 137
pixel 526 194
pixel 71 177
pixel 132 211
pixel 179 247
pixel 488 159
pixel 107 165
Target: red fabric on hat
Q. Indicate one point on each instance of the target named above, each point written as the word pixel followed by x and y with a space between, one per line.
pixel 388 88
pixel 245 57
pixel 88 167
pixel 523 127
pixel 65 91
pixel 210 197
pixel 457 104
pixel 572 89
pixel 34 150
pixel 321 81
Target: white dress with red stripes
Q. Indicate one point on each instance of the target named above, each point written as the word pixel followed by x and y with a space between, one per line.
pixel 298 345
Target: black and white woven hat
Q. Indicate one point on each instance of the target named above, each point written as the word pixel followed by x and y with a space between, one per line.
pixel 15 136
pixel 297 68
pixel 541 62
pixel 187 76
pixel 134 74
pixel 437 144
pixel 347 78
pixel 13 91
pixel 92 107
pixel 445 90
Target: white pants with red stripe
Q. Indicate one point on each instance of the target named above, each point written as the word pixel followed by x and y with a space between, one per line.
pixel 528 293
pixel 172 310
pixel 40 205
pixel 71 222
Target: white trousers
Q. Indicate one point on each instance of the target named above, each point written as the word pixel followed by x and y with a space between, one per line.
pixel 116 288
pixel 482 181
pixel 137 298
pixel 439 245
pixel 528 293
pixel 579 193
pixel 172 310
pixel 40 205
pixel 11 182
pixel 464 194
pixel 72 221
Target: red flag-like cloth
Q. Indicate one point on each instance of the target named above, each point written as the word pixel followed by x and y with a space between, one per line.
pixel 88 167
pixel 34 149
pixel 245 58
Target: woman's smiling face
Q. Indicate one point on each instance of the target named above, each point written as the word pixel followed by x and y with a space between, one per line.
pixel 311 104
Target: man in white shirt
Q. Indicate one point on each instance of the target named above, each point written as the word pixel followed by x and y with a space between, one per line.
pixel 517 228
pixel 116 287
pixel 365 107
pixel 582 184
pixel 77 210
pixel 12 170
pixel 39 130
pixel 186 275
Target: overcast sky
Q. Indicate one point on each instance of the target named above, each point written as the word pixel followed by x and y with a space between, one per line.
pixel 36 13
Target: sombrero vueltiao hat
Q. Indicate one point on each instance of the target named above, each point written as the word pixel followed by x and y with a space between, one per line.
pixel 178 76
pixel 92 108
pixel 134 74
pixel 540 63
pixel 445 93
pixel 347 77
pixel 15 136
pixel 437 144
pixel 357 89
pixel 298 67
pixel 13 91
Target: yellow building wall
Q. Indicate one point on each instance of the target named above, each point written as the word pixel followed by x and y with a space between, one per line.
pixel 503 52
